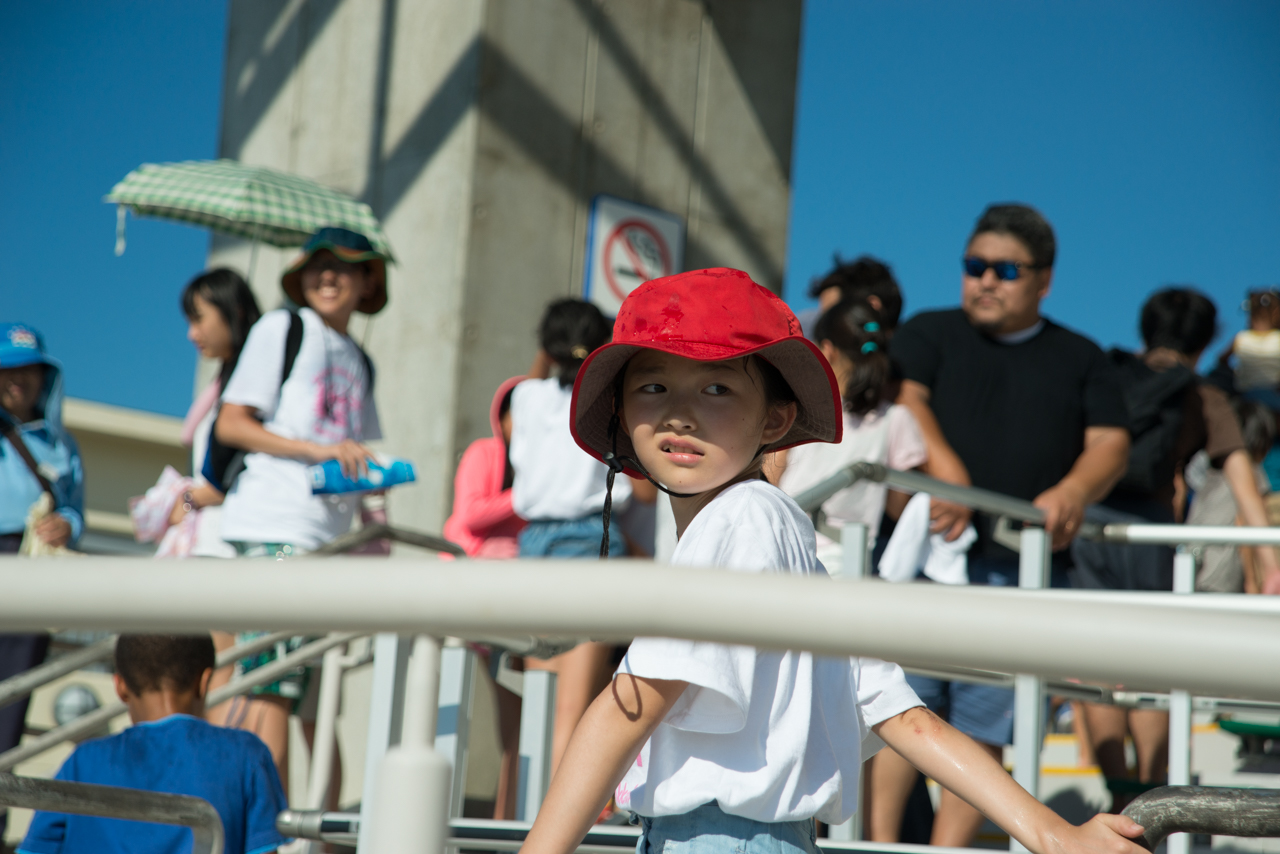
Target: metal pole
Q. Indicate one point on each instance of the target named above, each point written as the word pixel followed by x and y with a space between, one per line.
pixel 856 547
pixel 1028 690
pixel 323 746
pixel 410 810
pixel 1004 630
pixel 453 730
pixel 537 723
pixel 1184 582
pixel 386 707
pixel 856 564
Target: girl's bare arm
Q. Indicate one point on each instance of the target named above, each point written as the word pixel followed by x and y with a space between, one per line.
pixel 610 734
pixel 959 764
pixel 237 427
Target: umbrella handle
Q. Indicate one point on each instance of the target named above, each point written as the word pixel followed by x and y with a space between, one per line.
pixel 121 211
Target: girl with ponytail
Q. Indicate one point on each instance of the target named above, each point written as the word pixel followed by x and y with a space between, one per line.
pixel 852 337
pixel 561 490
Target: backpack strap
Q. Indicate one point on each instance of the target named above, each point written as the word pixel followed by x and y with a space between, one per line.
pixel 9 429
pixel 368 367
pixel 292 344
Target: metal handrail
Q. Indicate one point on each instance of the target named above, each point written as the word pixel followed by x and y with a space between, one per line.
pixel 1204 809
pixel 913 481
pixel 997 504
pixel 343 828
pixel 16 687
pixel 566 598
pixel 1185 535
pixel 61 796
pixel 99 718
pixel 382 531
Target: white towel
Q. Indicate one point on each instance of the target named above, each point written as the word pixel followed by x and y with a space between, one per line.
pixel 912 548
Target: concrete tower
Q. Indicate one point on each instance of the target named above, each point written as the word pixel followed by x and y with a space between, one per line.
pixel 480 131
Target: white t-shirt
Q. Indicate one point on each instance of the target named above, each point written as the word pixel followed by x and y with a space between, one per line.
pixel 770 736
pixel 554 478
pixel 327 398
pixel 888 435
pixel 1257 359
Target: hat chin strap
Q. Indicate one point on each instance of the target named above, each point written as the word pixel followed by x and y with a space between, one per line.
pixel 616 464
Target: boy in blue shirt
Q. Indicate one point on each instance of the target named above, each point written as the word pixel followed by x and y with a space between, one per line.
pixel 170 748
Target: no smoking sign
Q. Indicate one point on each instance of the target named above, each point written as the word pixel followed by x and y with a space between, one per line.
pixel 627 245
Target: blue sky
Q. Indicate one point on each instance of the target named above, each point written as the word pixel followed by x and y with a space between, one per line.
pixel 1147 132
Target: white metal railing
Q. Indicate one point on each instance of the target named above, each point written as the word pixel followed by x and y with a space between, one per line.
pixel 989 629
pixel 1033 567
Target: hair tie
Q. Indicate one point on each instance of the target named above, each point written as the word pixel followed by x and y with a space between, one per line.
pixel 870 347
pixel 871 327
pixel 580 352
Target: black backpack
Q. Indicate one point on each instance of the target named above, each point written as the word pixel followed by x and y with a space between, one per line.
pixel 1155 401
pixel 222 463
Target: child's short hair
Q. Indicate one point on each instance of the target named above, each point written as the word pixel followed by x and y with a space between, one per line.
pixel 1257 426
pixel 570 330
pixel 854 328
pixel 1179 318
pixel 155 662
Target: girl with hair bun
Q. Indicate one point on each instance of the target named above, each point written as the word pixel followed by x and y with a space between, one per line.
pixel 852 338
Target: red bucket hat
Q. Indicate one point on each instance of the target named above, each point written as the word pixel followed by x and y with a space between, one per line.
pixel 710 316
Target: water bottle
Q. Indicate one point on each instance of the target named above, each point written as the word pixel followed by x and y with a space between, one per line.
pixel 383 472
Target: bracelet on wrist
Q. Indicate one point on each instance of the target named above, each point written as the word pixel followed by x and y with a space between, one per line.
pixel 188 501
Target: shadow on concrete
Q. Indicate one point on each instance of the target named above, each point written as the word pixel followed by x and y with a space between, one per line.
pixel 555 141
pixel 271 66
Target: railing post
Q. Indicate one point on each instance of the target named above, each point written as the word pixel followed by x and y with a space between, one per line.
pixel 386 708
pixel 1028 691
pixel 411 807
pixel 537 723
pixel 326 728
pixel 453 726
pixel 1184 581
pixel 855 543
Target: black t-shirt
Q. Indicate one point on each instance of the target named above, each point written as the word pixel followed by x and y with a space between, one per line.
pixel 1014 413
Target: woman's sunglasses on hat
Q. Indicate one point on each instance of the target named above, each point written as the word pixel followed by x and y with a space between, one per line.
pixel 1006 271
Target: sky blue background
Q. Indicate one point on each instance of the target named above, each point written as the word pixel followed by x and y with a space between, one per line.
pixel 1147 132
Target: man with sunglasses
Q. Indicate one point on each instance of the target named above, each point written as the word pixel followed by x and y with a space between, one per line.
pixel 1012 402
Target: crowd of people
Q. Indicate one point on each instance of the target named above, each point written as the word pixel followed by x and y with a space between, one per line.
pixel 729 405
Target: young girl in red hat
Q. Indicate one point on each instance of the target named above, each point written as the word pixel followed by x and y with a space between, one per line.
pixel 707 372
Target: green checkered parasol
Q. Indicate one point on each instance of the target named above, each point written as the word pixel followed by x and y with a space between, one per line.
pixel 245 201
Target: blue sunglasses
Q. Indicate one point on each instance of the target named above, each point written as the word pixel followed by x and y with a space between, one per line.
pixel 1006 271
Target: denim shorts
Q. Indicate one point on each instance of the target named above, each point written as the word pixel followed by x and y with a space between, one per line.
pixel 982 712
pixel 709 830
pixel 571 538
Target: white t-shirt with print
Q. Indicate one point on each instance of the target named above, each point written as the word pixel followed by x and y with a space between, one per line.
pixel 327 398
pixel 888 435
pixel 554 478
pixel 770 736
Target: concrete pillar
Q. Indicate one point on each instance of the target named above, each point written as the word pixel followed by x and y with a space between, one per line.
pixel 479 132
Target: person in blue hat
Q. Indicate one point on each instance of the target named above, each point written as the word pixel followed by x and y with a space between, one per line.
pixel 31 416
pixel 31 412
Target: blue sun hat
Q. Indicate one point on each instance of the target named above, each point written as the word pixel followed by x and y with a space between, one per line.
pixel 20 345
